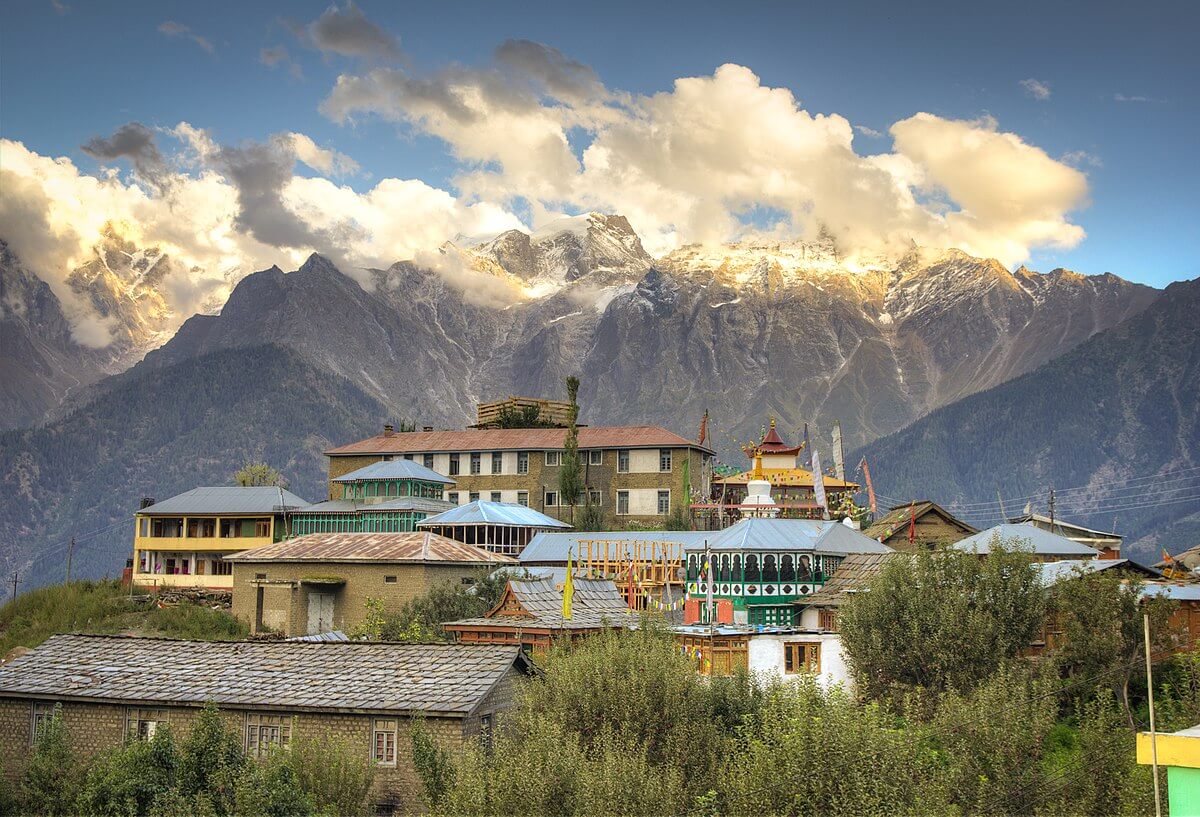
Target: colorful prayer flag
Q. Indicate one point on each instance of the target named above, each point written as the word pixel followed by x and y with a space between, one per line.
pixel 568 589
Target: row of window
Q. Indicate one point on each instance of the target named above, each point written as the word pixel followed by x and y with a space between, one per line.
pixel 553 459
pixel 361 522
pixel 392 488
pixel 155 563
pixel 202 528
pixel 771 569
pixel 552 499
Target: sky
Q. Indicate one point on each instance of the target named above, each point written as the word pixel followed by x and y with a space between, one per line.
pixel 237 135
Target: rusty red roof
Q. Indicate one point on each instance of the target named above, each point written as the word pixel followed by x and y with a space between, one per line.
pixel 515 439
pixel 418 546
pixel 772 443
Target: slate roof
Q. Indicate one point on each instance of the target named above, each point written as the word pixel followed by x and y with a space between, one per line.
pixel 516 439
pixel 229 499
pixel 395 469
pixel 791 534
pixel 898 517
pixel 403 503
pixel 597 604
pixel 1040 542
pixel 416 546
pixel 361 676
pixel 550 548
pixel 853 573
pixel 483 512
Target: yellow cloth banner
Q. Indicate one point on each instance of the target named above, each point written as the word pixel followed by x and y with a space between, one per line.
pixel 568 589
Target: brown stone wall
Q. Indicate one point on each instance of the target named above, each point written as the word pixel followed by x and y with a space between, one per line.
pixel 931 530
pixel 287 603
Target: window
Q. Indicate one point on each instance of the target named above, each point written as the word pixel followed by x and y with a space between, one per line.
pixel 801 656
pixel 389 579
pixel 497 462
pixel 623 461
pixel 408 457
pixel 42 712
pixel 622 503
pixel 264 731
pixel 220 567
pixel 594 496
pixel 452 496
pixel 427 460
pixel 829 620
pixel 262 527
pixel 454 465
pixel 553 457
pixel 474 496
pixel 166 528
pixel 522 462
pixel 475 458
pixel 664 503
pixel 595 457
pixel 523 498
pixel 551 499
pixel 496 496
pixel 384 751
pixel 664 459
pixel 144 526
pixel 141 724
pixel 202 528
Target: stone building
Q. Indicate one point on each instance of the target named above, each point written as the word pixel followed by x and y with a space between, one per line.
pixel 270 692
pixel 321 582
pixel 928 524
pixel 635 473
pixel 183 541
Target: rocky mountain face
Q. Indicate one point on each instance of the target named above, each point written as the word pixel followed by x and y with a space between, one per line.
pixel 1113 425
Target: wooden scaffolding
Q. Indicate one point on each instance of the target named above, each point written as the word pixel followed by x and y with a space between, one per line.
pixel 653 568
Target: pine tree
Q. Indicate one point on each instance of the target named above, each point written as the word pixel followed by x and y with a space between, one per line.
pixel 570 474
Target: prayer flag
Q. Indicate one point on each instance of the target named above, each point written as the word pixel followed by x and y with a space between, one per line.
pixel 568 589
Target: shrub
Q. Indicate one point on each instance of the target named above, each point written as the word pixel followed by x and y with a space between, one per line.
pixel 51 779
pixel 336 775
pixel 129 780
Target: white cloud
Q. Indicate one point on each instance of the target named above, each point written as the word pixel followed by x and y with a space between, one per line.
pixel 322 160
pixel 1081 158
pixel 1036 88
pixel 865 131
pixel 1136 98
pixel 174 29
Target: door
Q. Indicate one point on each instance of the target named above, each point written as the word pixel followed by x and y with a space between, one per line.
pixel 320 613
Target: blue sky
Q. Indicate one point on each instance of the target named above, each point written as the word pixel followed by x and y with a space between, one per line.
pixel 1122 85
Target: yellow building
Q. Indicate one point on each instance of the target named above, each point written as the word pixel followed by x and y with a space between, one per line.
pixel 183 541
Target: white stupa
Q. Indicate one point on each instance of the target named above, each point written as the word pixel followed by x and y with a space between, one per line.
pixel 758 501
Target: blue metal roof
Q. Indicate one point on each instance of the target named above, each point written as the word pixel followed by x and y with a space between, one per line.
pixel 551 548
pixel 1026 537
pixel 394 469
pixel 1175 592
pixel 483 512
pixel 229 499
pixel 791 534
pixel 1054 572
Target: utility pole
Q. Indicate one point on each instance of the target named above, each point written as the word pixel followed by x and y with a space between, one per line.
pixel 1052 509
pixel 15 581
pixel 70 553
pixel 1000 499
pixel 1153 736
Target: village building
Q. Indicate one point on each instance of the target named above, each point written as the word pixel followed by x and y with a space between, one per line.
pixel 383 497
pixel 792 488
pixel 321 582
pixel 184 541
pixel 758 567
pixel 1179 752
pixel 1183 566
pixel 922 525
pixel 498 527
pixel 1108 544
pixel 785 654
pixel 530 613
pixel 634 473
pixel 1042 544
pixel 271 693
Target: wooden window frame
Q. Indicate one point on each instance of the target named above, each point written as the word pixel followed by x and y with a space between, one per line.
pixel 259 723
pixel 497 462
pixel 546 499
pixel 659 502
pixel 623 498
pixel 665 457
pixel 476 463
pixel 803 654
pixel 389 730
pixel 41 712
pixel 557 461
pixel 596 456
pixel 523 498
pixel 135 716
pixel 522 462
pixel 623 461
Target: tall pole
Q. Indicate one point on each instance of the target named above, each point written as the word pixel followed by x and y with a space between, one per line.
pixel 1052 510
pixel 1153 737
pixel 70 553
pixel 15 581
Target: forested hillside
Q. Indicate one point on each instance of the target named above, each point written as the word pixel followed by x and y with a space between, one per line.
pixel 1113 424
pixel 160 432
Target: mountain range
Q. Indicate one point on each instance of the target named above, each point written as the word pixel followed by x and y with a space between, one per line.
pixel 798 331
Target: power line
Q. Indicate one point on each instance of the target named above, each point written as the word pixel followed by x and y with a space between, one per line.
pixel 1111 487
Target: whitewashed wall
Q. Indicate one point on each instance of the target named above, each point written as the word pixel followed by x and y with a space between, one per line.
pixel 766 657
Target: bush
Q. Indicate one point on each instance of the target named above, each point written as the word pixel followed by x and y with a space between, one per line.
pixel 51 779
pixel 211 762
pixel 433 765
pixel 131 779
pixel 336 775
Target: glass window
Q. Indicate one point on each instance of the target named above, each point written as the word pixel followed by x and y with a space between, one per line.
pixel 389 579
pixel 475 458
pixel 724 568
pixel 770 574
pixel 623 461
pixel 496 496
pixel 551 499
pixel 664 459
pixel 594 496
pixel 664 503
pixel 408 457
pixel 384 743
pixel 427 460
pixel 264 731
pixel 801 656
pixel 454 465
pixel 497 462
pixel 262 527
pixel 42 712
pixel 452 496
pixel 553 457
pixel 522 462
pixel 752 574
pixel 220 567
pixel 474 496
pixel 804 571
pixel 622 502
pixel 595 457
pixel 692 567
pixel 523 498
pixel 787 568
pixel 144 526
pixel 140 724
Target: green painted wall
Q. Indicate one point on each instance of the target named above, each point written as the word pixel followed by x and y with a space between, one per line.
pixel 1183 791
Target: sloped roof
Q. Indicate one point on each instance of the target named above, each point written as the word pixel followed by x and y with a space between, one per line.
pixel 552 547
pixel 772 443
pixel 1041 542
pixel 853 573
pixel 230 499
pixel 401 503
pixel 356 676
pixel 483 512
pixel 898 518
pixel 596 604
pixel 1067 527
pixel 516 439
pixel 786 478
pixel 395 469
pixel 1052 573
pixel 419 546
pixel 792 534
pixel 1190 559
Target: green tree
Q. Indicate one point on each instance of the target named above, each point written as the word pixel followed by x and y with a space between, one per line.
pixel 211 762
pixel 257 474
pixel 570 472
pixel 51 778
pixel 421 618
pixel 591 516
pixel 132 778
pixel 433 765
pixel 945 620
pixel 522 417
pixel 334 772
pixel 271 788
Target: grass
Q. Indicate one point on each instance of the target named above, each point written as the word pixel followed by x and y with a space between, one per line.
pixel 106 607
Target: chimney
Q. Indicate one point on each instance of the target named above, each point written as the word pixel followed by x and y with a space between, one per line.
pixel 389 430
pixel 147 501
pixel 427 428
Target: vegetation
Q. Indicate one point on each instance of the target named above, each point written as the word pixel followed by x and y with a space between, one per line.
pixel 256 474
pixel 570 475
pixel 522 417
pixel 105 607
pixel 421 618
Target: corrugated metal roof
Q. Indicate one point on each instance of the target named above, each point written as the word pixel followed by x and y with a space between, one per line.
pixel 1175 592
pixel 1027 537
pixel 403 503
pixel 335 635
pixel 227 499
pixel 395 469
pixel 551 548
pixel 516 439
pixel 357 675
pixel 792 534
pixel 596 604
pixel 1052 573
pixel 484 512
pixel 418 546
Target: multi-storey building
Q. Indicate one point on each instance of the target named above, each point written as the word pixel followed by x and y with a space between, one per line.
pixel 383 497
pixel 635 473
pixel 182 541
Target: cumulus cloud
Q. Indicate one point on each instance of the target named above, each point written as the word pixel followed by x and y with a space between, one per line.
pixel 348 32
pixel 322 160
pixel 135 142
pixel 174 29
pixel 1036 88
pixel 563 77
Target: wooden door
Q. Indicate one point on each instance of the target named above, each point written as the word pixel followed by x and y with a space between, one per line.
pixel 320 613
